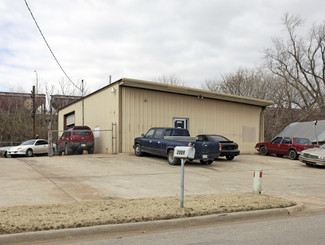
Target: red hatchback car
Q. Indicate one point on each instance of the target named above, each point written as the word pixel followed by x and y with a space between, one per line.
pixel 289 146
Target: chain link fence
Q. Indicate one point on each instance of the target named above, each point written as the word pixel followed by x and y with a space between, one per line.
pixel 105 141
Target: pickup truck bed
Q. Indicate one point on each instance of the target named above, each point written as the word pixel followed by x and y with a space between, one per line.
pixel 162 141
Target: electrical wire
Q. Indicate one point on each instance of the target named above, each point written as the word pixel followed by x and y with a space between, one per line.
pixel 39 29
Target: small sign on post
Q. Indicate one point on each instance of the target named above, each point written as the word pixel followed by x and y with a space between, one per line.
pixel 183 152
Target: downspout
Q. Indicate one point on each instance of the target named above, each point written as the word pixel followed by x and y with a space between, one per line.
pixel 120 122
pixel 261 133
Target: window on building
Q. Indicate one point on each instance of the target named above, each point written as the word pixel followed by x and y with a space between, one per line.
pixel 69 120
pixel 180 123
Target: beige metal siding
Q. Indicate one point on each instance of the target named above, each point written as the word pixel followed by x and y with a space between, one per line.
pixel 143 109
pixel 100 111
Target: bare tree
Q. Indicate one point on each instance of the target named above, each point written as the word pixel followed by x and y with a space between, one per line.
pixel 169 79
pixel 300 61
pixel 16 121
pixel 260 83
pixel 247 82
pixel 297 80
pixel 67 88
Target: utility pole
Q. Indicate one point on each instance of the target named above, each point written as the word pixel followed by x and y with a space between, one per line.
pixel 83 105
pixel 36 82
pixel 315 123
pixel 33 112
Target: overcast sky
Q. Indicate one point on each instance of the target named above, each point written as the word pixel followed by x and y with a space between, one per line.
pixel 194 40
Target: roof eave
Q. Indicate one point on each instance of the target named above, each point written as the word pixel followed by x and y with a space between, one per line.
pixel 128 82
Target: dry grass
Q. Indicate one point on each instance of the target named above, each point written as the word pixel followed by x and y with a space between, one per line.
pixel 59 216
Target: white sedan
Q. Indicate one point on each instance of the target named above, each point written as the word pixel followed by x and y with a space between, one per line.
pixel 313 156
pixel 30 148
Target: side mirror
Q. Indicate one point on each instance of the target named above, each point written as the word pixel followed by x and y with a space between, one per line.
pixel 142 135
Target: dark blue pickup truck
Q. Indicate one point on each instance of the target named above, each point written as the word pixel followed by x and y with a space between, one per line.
pixel 162 141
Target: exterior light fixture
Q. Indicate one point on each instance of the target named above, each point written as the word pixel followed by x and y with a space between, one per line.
pixel 200 97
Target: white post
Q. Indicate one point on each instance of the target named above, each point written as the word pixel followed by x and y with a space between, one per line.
pixel 257 184
pixel 183 153
pixel 83 106
pixel 182 182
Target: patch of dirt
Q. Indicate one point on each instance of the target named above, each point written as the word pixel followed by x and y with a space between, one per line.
pixel 59 216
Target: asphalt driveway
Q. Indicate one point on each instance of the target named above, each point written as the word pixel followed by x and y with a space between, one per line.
pixel 64 179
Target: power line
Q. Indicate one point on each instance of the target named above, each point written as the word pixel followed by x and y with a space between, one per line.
pixel 39 29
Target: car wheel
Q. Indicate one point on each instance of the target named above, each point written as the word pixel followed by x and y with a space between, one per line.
pixel 206 162
pixel 230 157
pixel 90 151
pixel 29 153
pixel 293 154
pixel 173 160
pixel 137 150
pixel 263 150
pixel 5 155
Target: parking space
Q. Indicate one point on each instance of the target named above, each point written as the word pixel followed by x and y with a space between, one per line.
pixel 44 180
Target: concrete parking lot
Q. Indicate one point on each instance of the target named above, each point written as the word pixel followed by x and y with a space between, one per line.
pixel 46 180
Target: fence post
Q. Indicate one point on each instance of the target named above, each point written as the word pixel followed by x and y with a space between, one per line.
pixel 112 138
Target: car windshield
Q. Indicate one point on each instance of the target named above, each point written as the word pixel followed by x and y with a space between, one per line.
pixel 28 142
pixel 322 146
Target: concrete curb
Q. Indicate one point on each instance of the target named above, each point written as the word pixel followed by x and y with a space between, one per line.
pixel 143 226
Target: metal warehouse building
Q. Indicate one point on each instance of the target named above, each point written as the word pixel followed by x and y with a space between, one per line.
pixel 126 108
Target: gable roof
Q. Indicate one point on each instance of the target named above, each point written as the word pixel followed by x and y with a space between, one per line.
pixel 306 130
pixel 162 87
pixel 128 82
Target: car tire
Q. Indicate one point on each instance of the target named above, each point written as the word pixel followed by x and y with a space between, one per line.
pixel 29 153
pixel 263 150
pixel 90 151
pixel 137 150
pixel 229 158
pixel 293 154
pixel 206 162
pixel 171 159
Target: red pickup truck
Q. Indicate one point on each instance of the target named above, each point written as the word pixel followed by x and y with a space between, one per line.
pixel 290 146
